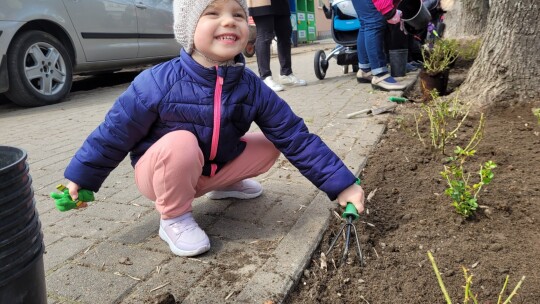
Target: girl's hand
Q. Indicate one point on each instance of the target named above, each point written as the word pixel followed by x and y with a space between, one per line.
pixel 73 190
pixel 353 194
pixel 396 18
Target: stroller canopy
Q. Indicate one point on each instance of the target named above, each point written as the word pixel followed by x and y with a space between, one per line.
pixel 345 7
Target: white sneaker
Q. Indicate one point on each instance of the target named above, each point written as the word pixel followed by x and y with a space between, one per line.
pixel 184 236
pixel 291 80
pixel 276 87
pixel 244 189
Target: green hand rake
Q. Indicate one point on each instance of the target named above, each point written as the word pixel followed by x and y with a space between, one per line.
pixel 350 214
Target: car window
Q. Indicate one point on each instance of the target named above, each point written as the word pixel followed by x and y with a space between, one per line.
pixel 156 28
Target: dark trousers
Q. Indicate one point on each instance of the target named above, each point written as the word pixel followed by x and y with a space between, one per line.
pixel 397 39
pixel 266 27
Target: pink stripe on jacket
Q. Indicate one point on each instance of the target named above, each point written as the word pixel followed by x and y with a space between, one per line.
pixel 384 6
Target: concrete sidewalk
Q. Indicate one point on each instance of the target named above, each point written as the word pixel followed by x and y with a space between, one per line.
pixel 110 252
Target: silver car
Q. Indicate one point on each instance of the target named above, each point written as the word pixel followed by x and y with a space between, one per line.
pixel 44 43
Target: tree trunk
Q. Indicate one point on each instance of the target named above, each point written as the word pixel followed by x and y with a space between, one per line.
pixel 507 66
pixel 467 18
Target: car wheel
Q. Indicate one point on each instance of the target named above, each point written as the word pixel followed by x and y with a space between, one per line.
pixel 40 70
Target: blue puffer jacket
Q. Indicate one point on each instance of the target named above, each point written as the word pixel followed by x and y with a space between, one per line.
pixel 180 94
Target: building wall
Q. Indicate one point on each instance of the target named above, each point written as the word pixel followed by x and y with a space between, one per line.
pixel 323 24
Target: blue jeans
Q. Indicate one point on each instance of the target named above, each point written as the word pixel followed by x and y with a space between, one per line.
pixel 370 42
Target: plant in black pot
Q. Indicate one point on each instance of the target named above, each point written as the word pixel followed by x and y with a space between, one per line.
pixel 438 60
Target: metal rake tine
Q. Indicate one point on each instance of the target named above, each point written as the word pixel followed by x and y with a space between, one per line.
pixel 359 251
pixel 335 239
pixel 347 240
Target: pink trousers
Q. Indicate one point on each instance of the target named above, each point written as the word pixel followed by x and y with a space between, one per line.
pixel 169 172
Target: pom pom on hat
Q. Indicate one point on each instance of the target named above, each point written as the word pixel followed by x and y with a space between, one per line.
pixel 186 15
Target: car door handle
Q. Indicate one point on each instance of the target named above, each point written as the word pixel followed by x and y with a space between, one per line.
pixel 141 5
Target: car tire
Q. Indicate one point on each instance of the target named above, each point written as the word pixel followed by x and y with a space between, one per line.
pixel 40 70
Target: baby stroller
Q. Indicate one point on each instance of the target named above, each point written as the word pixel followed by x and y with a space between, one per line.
pixel 344 28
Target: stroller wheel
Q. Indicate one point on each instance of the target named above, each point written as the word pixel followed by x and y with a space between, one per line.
pixel 249 50
pixel 320 64
pixel 355 68
pixel 345 69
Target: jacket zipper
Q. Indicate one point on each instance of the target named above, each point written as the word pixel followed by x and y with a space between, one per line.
pixel 217 122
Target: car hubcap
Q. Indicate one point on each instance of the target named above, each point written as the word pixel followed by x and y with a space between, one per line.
pixel 44 68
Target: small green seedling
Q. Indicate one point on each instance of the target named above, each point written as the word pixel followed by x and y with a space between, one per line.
pixel 438 58
pixel 440 113
pixel 469 295
pixel 536 112
pixel 463 193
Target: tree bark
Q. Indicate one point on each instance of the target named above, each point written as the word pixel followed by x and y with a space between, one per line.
pixel 467 18
pixel 507 66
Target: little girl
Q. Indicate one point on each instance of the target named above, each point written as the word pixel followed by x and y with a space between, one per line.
pixel 184 123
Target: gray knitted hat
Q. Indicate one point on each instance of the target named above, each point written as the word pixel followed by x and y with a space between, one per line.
pixel 186 15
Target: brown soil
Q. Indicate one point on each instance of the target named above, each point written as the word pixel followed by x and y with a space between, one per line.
pixel 410 215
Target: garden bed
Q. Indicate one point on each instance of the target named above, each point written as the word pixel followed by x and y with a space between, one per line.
pixel 409 215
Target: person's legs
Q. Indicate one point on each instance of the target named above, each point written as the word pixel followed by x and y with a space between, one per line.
pixel 283 30
pixel 265 34
pixel 415 52
pixel 370 42
pixel 363 59
pixel 257 158
pixel 364 73
pixel 396 38
pixel 374 26
pixel 374 30
pixel 156 173
pixel 157 177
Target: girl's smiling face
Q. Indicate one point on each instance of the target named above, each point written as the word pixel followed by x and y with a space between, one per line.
pixel 221 33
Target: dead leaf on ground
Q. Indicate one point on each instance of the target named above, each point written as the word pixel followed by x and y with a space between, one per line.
pixel 324 264
pixel 371 194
